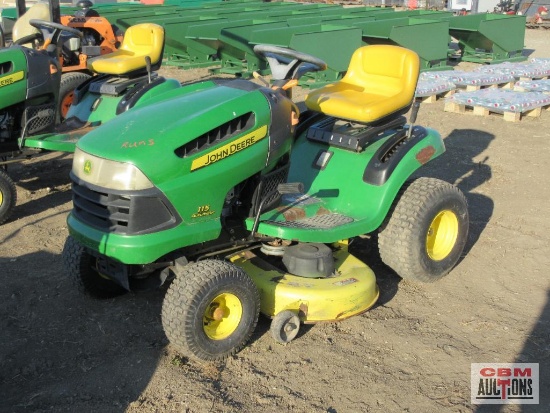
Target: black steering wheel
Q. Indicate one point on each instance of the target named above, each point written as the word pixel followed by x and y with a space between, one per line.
pixel 30 38
pixel 287 63
pixel 57 29
pixel 55 26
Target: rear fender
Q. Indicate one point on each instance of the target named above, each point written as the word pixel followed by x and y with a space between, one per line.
pixel 392 165
pixel 397 149
pixel 362 185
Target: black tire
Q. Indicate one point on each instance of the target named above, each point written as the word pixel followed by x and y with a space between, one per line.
pixel 69 82
pixel 8 196
pixel 426 230
pixel 285 326
pixel 206 295
pixel 82 269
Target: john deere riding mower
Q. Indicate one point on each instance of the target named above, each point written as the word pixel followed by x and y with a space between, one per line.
pixel 246 206
pixel 29 95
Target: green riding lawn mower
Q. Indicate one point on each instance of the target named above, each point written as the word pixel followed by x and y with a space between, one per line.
pixel 30 83
pixel 223 190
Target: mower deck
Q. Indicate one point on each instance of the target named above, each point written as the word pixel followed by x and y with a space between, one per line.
pixel 351 291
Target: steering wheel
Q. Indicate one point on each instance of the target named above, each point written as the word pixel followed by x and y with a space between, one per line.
pixel 30 38
pixel 55 26
pixel 288 64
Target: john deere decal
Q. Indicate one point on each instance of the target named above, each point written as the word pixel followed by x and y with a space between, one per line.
pixel 231 148
pixel 87 167
pixel 14 77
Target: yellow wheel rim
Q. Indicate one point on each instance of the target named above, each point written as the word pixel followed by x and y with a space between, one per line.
pixel 442 235
pixel 222 316
pixel 1 198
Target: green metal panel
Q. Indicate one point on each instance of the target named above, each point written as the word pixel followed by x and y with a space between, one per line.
pixel 428 38
pixel 341 188
pixel 176 48
pixel 186 113
pixel 203 40
pixel 126 19
pixel 489 38
pixel 345 21
pixel 434 15
pixel 236 51
pixel 333 44
pixel 104 110
pixel 13 77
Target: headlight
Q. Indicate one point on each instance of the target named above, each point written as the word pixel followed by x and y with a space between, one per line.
pixel 108 174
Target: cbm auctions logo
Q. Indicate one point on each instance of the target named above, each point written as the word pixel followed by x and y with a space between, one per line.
pixel 505 383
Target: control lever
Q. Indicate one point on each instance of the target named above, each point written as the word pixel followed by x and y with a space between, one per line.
pixel 260 78
pixel 282 189
pixel 148 66
pixel 412 119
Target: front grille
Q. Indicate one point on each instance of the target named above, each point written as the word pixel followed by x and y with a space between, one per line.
pixel 129 213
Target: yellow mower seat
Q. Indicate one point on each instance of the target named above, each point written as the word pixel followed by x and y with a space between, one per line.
pixel 380 82
pixel 141 40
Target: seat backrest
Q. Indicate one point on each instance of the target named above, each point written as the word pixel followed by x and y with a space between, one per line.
pixel 385 70
pixel 22 28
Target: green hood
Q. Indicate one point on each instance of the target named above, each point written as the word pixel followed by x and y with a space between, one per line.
pixel 148 136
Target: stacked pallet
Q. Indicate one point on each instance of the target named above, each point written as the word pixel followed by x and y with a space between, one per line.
pixel 513 105
pixel 443 84
pixel 534 69
pixel 430 89
pixel 512 90
pixel 541 85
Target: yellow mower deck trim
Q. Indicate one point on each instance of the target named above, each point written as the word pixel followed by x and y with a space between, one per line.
pixel 353 291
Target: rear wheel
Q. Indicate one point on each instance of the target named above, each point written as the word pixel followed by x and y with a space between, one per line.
pixel 426 230
pixel 8 196
pixel 82 269
pixel 69 82
pixel 210 310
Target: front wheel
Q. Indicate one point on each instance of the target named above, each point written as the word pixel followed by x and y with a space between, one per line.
pixel 285 326
pixel 210 310
pixel 8 196
pixel 83 270
pixel 426 230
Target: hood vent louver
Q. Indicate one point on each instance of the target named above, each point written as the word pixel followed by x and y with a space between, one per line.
pixel 217 135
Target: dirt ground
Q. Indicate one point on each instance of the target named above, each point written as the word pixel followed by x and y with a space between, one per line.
pixel 64 352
